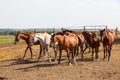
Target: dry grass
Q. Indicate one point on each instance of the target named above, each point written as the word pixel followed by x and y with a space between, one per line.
pixel 13 67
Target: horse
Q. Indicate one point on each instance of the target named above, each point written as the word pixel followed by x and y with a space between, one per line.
pixel 88 35
pixel 82 41
pixel 69 43
pixel 25 36
pixel 44 42
pixel 108 38
pixel 95 46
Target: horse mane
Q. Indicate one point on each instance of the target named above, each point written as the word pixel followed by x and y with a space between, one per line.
pixel 59 33
pixel 67 30
pixel 22 33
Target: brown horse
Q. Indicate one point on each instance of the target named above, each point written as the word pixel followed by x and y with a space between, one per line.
pixel 95 46
pixel 69 43
pixel 26 37
pixel 108 38
pixel 82 41
pixel 89 35
pixel 86 38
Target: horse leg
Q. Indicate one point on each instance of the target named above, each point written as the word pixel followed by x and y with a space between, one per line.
pixel 77 51
pixel 104 52
pixel 74 55
pixel 43 55
pixel 56 52
pixel 25 51
pixel 60 54
pixel 49 54
pixel 68 55
pixel 92 53
pixel 96 51
pixel 41 52
pixel 31 51
pixel 89 49
pixel 109 52
pixel 85 48
pixel 82 51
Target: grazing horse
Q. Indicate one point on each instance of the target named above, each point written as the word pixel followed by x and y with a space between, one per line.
pixel 44 42
pixel 95 46
pixel 25 36
pixel 108 38
pixel 69 43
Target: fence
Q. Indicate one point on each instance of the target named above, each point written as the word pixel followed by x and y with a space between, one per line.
pixel 5 39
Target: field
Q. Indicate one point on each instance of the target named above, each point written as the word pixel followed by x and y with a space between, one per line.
pixel 6 39
pixel 13 67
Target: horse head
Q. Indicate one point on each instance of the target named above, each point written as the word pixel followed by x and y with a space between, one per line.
pixel 17 38
pixel 101 34
pixel 53 40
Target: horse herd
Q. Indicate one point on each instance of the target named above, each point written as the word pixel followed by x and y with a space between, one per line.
pixel 74 43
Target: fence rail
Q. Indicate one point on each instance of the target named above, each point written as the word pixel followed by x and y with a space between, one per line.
pixel 6 39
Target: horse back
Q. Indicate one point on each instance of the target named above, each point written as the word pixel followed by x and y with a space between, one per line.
pixel 71 41
pixel 108 37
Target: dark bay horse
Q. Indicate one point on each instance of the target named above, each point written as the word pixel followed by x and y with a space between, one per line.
pixel 95 46
pixel 88 35
pixel 69 43
pixel 25 36
pixel 108 38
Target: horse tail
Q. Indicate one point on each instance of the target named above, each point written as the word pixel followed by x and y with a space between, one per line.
pixel 79 41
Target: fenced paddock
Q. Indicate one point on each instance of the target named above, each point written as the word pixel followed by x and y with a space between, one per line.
pixel 13 67
pixel 6 39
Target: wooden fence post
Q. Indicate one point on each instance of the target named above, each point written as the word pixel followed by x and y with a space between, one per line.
pixel 106 27
pixel 84 28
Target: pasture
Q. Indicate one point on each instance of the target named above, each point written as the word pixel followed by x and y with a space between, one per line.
pixel 13 67
pixel 6 39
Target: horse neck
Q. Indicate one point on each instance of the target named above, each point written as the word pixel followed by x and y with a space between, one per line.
pixel 23 36
pixel 60 39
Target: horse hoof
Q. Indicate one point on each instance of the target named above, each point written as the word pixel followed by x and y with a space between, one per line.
pixel 49 60
pixel 75 63
pixel 55 60
pixel 70 64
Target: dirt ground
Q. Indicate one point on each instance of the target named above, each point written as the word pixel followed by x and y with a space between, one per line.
pixel 13 67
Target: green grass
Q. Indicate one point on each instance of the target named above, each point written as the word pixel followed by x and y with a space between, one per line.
pixel 5 39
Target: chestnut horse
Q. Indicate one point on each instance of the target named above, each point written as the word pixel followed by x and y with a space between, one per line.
pixel 108 38
pixel 82 41
pixel 86 38
pixel 44 42
pixel 25 36
pixel 69 43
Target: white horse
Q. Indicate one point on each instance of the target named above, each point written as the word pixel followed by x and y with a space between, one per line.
pixel 44 39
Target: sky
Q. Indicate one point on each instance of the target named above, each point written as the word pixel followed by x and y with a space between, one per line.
pixel 59 13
